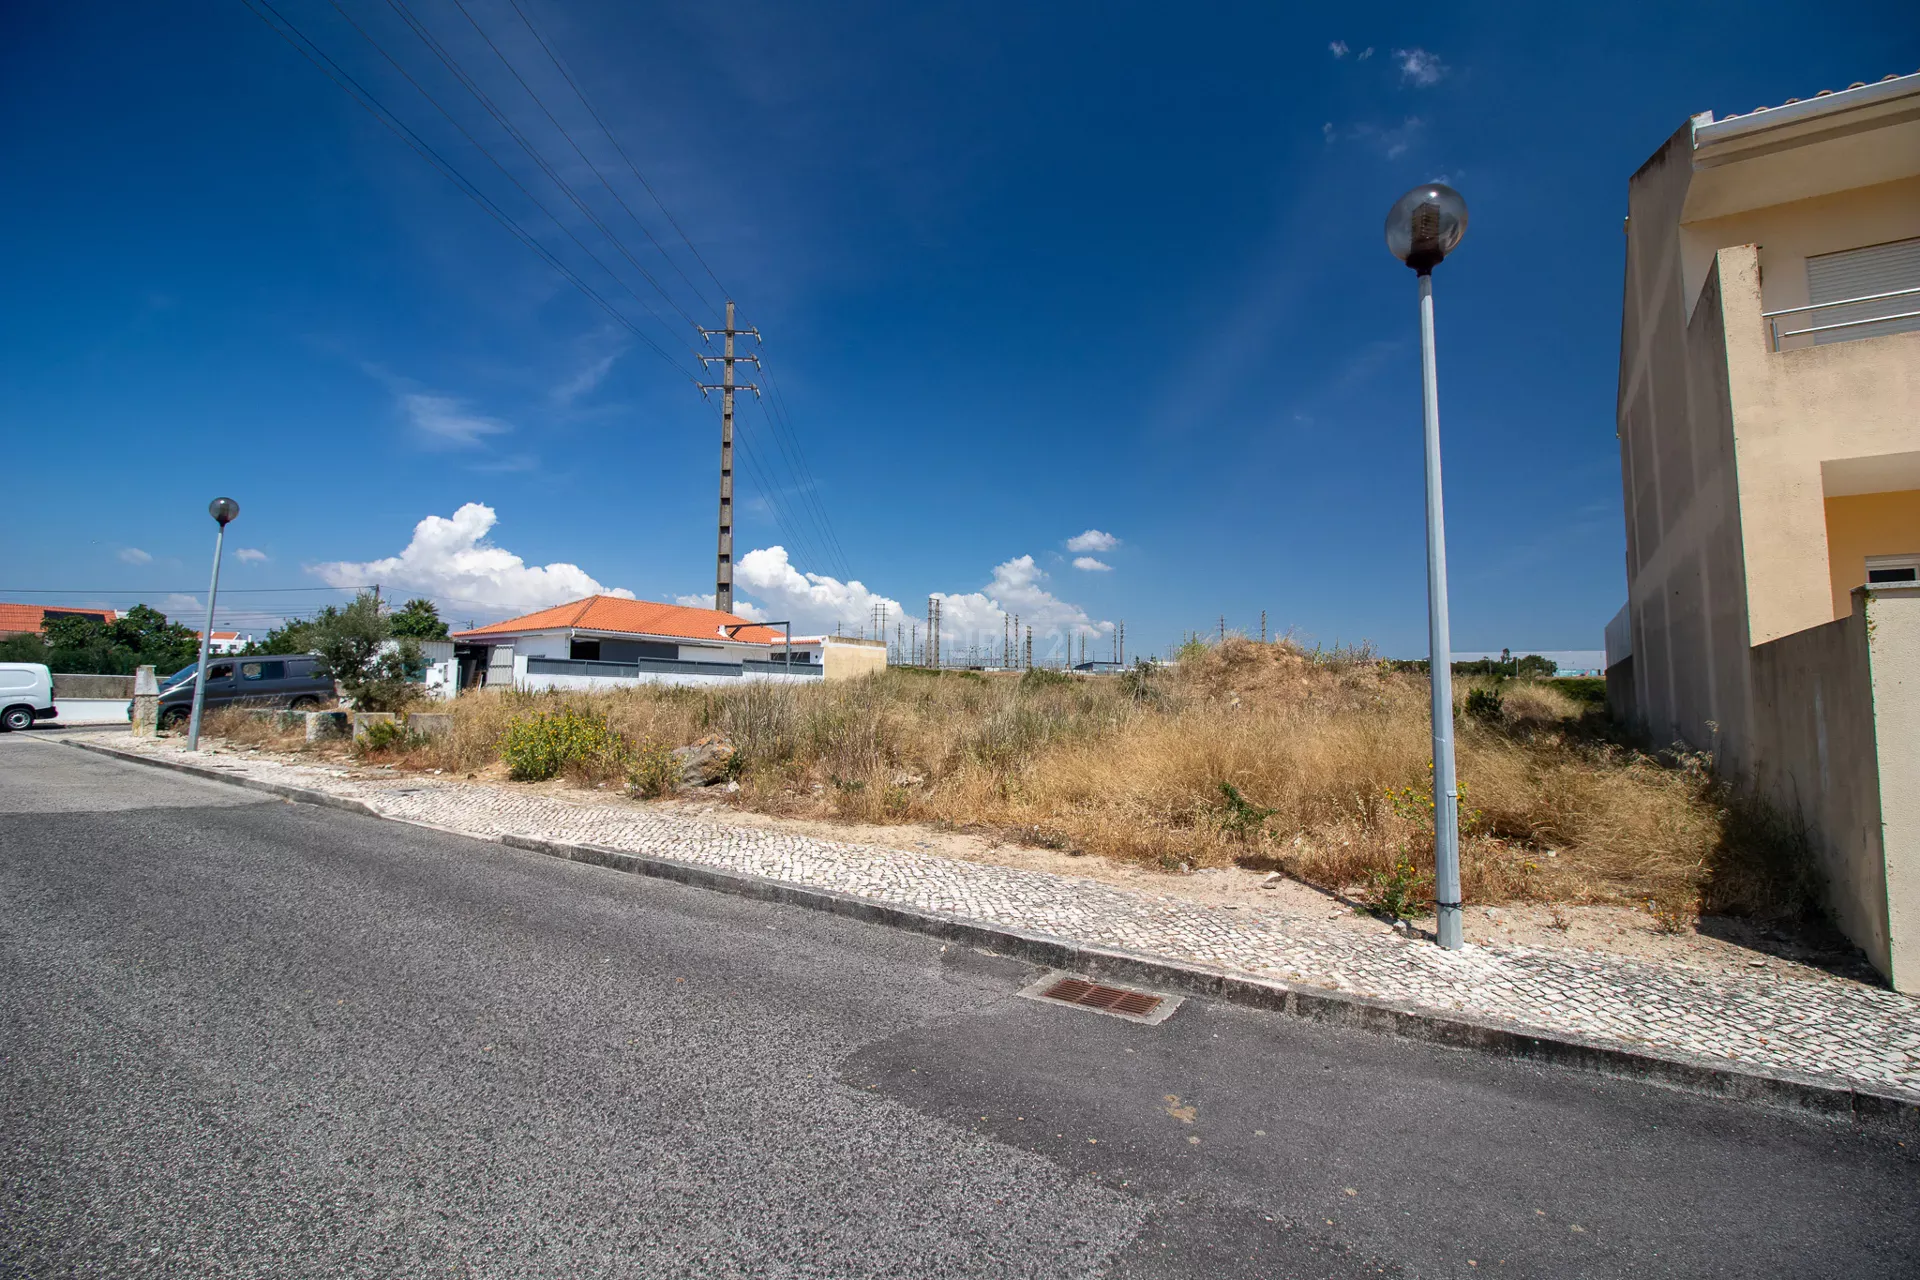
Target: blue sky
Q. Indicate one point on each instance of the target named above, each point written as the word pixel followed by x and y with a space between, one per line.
pixel 1026 274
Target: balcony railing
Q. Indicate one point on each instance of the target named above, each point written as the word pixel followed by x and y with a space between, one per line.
pixel 1894 307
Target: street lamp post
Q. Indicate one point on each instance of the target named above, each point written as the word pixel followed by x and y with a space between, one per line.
pixel 1423 227
pixel 223 510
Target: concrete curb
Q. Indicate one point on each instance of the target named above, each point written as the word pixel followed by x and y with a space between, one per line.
pixel 1788 1090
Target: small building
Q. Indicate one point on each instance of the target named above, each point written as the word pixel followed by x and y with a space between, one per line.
pixel 604 642
pixel 1769 427
pixel 28 619
pixel 224 642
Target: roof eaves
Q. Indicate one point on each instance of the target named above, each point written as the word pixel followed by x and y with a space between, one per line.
pixel 1795 110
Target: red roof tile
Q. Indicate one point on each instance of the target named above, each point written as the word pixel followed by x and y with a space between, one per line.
pixel 19 618
pixel 630 617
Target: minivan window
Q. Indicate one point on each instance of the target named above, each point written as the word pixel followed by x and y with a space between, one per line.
pixel 263 671
pixel 220 671
pixel 179 677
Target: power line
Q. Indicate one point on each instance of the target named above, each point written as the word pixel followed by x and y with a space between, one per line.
pixel 780 419
pixel 432 45
pixel 156 591
pixel 312 52
pixel 622 152
pixel 480 95
pixel 809 485
pixel 554 120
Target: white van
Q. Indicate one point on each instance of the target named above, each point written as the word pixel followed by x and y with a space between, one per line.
pixel 26 694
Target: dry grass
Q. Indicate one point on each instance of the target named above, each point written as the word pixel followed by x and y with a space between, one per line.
pixel 1329 754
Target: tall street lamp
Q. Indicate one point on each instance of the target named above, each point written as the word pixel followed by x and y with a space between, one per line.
pixel 1423 227
pixel 223 510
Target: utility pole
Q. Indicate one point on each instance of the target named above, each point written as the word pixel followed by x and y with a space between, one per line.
pixel 1123 642
pixel 1006 638
pixel 1029 663
pixel 1263 626
pixel 723 566
pixel 913 644
pixel 1223 628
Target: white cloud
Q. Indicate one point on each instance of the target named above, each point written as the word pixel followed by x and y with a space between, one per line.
pixel 1091 565
pixel 451 560
pixel 741 608
pixel 817 602
pixel 446 421
pixel 1392 141
pixel 585 378
pixel 250 555
pixel 1418 67
pixel 813 601
pixel 134 555
pixel 1092 540
pixel 1338 48
pixel 1366 53
pixel 1016 589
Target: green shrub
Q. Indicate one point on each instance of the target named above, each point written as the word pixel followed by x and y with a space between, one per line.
pixel 1401 892
pixel 1045 678
pixel 652 770
pixel 538 747
pixel 1242 818
pixel 1486 705
pixel 387 735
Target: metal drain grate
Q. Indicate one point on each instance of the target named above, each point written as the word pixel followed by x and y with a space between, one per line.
pixel 1121 1002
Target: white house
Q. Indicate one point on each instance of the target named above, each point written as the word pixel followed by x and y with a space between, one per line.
pixel 608 641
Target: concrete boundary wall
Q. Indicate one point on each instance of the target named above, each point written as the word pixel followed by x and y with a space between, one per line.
pixel 1837 721
pixel 91 688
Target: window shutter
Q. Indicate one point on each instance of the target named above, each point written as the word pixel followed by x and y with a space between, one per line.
pixel 1859 273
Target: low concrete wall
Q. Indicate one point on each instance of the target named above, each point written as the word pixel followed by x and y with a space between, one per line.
pixel 91 688
pixel 1837 743
pixel 92 710
pixel 843 658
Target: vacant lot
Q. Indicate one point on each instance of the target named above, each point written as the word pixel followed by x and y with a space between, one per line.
pixel 1258 754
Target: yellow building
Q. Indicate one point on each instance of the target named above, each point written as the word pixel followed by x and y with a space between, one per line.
pixel 1769 423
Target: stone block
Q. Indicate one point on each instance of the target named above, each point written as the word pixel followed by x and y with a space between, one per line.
pixel 430 723
pixel 364 720
pixel 323 726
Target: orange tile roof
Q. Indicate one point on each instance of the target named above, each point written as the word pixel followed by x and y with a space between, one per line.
pixel 22 618
pixel 630 617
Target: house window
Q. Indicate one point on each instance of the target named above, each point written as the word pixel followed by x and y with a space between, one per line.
pixel 1834 279
pixel 587 650
pixel 1889 570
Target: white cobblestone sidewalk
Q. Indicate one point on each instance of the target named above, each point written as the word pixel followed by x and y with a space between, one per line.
pixel 1863 1035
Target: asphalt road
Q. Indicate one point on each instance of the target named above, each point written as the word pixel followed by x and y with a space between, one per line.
pixel 247 1038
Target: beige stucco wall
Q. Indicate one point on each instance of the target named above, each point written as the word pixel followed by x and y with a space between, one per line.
pixel 1837 724
pixel 1787 235
pixel 1893 630
pixel 1815 760
pixel 844 658
pixel 1686 603
pixel 1793 410
pixel 1867 524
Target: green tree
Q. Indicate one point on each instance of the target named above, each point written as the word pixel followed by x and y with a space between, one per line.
pixel 155 641
pixel 357 648
pixel 420 619
pixel 78 644
pixel 294 635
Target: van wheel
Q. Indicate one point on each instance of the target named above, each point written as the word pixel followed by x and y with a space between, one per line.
pixel 303 704
pixel 172 718
pixel 16 719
